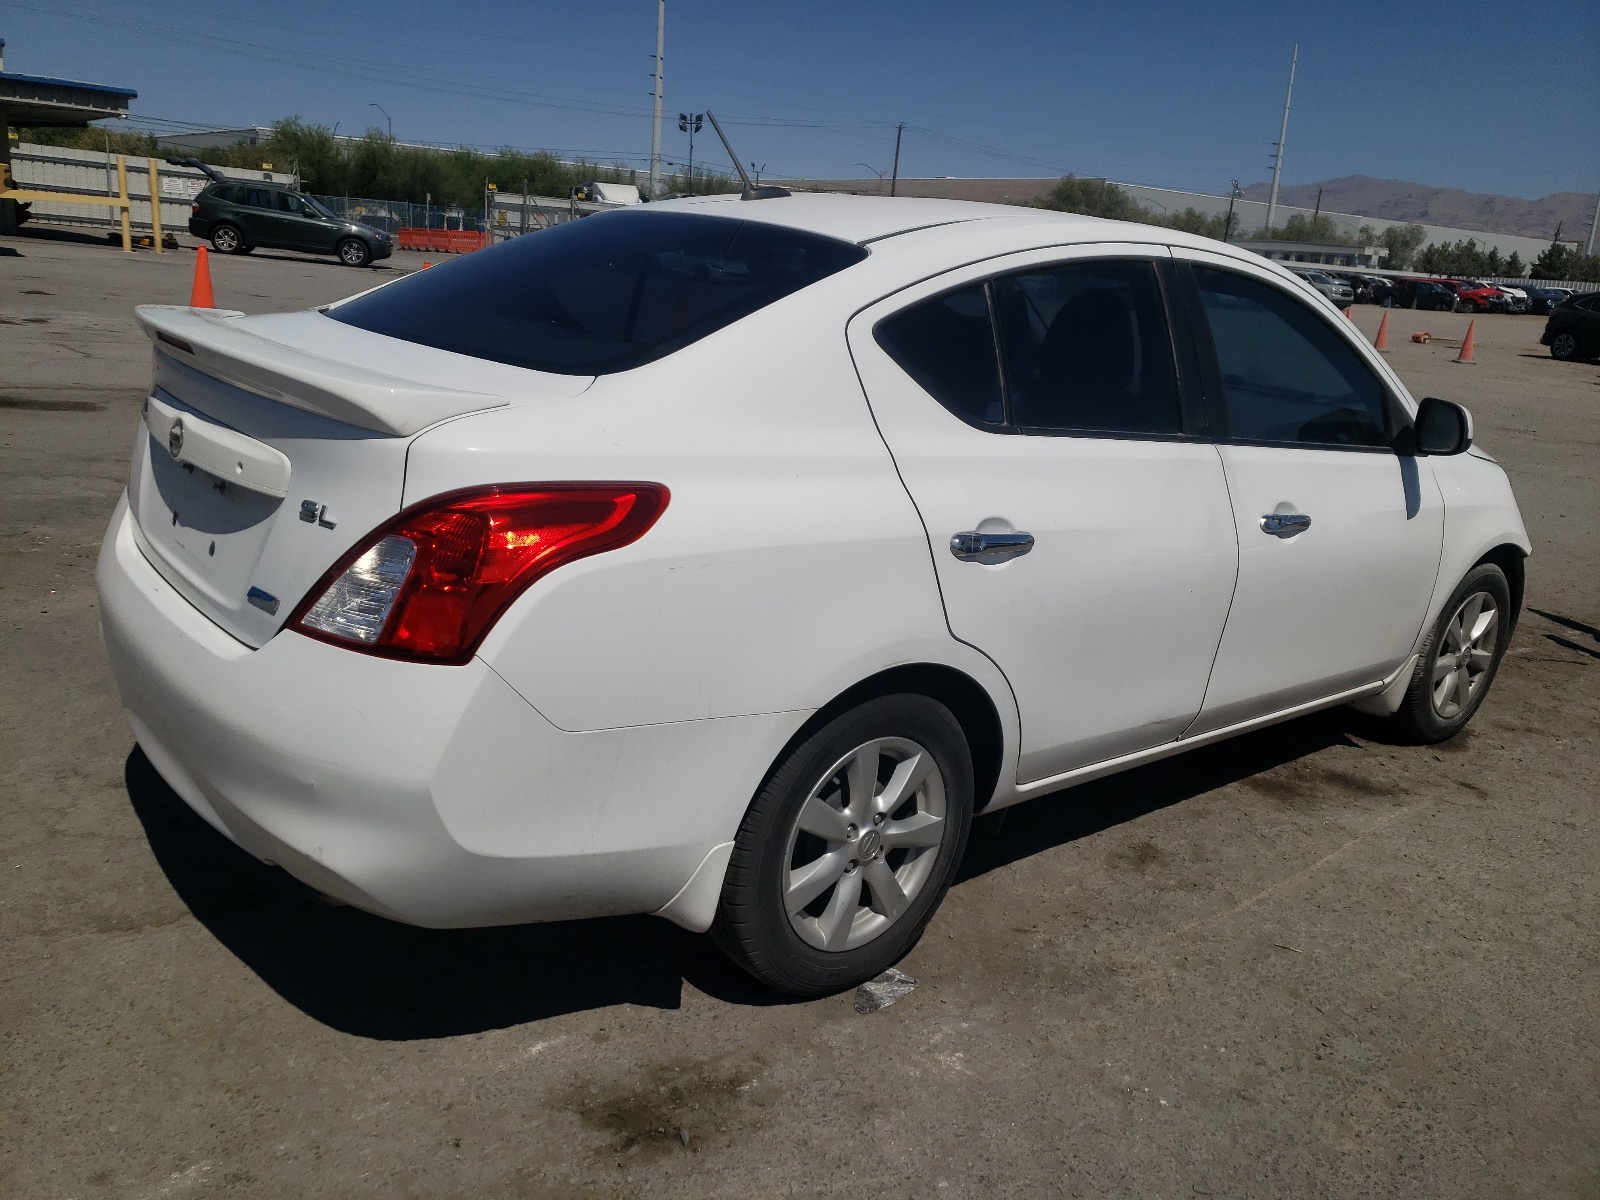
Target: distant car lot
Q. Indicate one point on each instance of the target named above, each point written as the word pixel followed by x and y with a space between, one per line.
pixel 1306 963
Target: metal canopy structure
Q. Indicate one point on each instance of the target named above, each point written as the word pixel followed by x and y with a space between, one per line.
pixel 35 100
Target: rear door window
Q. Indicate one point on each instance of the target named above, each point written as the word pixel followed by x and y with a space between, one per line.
pixel 1286 376
pixel 1087 349
pixel 604 294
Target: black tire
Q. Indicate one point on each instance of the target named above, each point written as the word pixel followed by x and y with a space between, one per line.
pixel 1564 346
pixel 1421 717
pixel 753 925
pixel 353 252
pixel 1388 301
pixel 227 239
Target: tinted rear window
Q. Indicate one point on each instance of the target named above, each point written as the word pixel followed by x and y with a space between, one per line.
pixel 603 294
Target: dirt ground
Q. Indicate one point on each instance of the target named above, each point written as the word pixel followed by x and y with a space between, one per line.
pixel 1309 962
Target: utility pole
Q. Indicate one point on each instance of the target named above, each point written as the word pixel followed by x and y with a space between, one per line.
pixel 1283 135
pixel 1233 194
pixel 894 180
pixel 655 136
pixel 1589 248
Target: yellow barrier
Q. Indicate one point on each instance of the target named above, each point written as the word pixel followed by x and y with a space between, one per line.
pixel 119 201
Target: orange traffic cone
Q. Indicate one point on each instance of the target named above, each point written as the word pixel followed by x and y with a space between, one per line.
pixel 426 264
pixel 1466 347
pixel 1348 315
pixel 1381 344
pixel 200 295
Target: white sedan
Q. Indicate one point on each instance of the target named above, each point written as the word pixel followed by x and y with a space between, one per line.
pixel 720 558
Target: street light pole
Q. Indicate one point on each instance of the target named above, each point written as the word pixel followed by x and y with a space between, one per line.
pixel 386 117
pixel 875 171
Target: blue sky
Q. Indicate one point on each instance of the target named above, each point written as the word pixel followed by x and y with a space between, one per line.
pixel 1482 96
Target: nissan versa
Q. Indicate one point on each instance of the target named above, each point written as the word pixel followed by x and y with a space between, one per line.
pixel 719 558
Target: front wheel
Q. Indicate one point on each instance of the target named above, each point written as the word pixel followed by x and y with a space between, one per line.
pixel 847 851
pixel 1564 346
pixel 1460 658
pixel 353 252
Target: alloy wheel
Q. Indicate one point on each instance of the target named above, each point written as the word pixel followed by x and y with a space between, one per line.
pixel 225 240
pixel 1564 345
pixel 864 844
pixel 1466 655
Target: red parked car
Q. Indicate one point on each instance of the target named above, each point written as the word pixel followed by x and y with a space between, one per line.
pixel 1472 296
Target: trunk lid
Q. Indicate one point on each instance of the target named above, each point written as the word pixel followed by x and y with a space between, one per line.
pixel 270 445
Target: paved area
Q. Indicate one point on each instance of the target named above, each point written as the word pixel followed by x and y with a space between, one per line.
pixel 1306 963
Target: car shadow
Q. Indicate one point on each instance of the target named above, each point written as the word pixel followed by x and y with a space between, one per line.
pixel 376 978
pixel 320 260
pixel 1026 829
pixel 1588 631
pixel 371 977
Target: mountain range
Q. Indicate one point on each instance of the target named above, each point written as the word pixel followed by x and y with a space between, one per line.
pixel 1400 200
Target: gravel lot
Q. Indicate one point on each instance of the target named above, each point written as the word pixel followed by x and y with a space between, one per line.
pixel 1305 963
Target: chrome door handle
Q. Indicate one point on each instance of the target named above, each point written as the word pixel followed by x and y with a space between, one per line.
pixel 1285 525
pixel 990 547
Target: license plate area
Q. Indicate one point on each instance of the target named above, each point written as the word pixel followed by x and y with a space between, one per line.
pixel 207 533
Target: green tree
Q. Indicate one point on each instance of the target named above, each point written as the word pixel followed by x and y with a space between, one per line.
pixel 1514 267
pixel 1093 198
pixel 1402 242
pixel 1301 228
pixel 1563 262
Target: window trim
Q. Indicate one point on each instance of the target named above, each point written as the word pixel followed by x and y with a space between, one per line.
pixel 1192 414
pixel 1396 419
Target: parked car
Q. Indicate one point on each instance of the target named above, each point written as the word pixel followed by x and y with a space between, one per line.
pixel 1425 294
pixel 1516 298
pixel 1542 299
pixel 237 217
pixel 1573 329
pixel 1471 296
pixel 557 582
pixel 1339 293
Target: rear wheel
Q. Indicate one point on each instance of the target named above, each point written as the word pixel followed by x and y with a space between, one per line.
pixel 1460 658
pixel 353 252
pixel 1564 346
pixel 849 848
pixel 226 239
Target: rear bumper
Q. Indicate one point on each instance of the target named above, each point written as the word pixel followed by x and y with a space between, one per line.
pixel 432 795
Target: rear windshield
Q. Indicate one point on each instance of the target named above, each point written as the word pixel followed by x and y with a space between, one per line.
pixel 604 294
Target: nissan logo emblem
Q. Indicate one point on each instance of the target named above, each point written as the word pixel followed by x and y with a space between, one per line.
pixel 175 438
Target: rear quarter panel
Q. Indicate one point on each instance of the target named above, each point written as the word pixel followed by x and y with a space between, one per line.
pixel 788 565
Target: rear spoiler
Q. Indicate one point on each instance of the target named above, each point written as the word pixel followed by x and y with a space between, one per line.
pixel 211 341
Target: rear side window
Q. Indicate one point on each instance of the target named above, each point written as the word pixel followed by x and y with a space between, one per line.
pixel 947 345
pixel 1286 376
pixel 600 295
pixel 1075 348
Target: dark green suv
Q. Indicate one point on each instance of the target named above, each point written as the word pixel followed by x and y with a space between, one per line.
pixel 237 217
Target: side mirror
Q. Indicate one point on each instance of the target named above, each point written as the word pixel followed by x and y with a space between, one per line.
pixel 1442 427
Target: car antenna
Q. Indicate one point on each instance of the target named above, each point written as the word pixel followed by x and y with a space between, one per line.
pixel 751 191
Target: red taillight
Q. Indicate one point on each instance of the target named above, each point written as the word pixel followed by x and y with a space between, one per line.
pixel 194 209
pixel 432 582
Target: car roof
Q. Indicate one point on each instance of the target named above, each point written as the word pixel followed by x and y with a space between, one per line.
pixel 863 219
